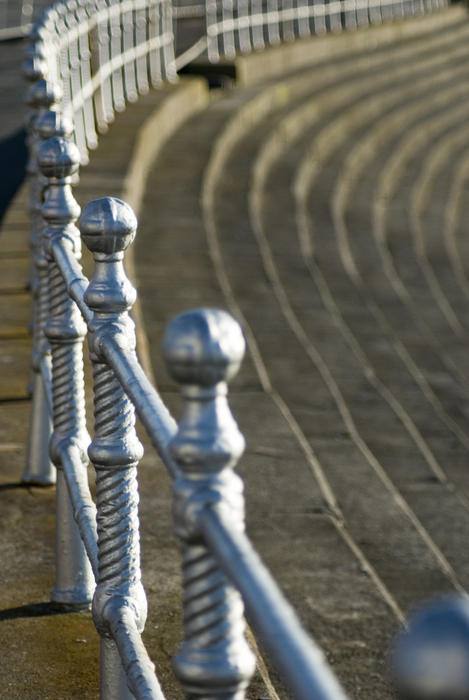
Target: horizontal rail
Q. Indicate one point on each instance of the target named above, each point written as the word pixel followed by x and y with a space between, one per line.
pixel 84 508
pixel 299 660
pixel 246 25
pixel 158 422
pixel 17 32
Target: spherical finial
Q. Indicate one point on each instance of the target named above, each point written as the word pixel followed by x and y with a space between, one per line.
pixel 36 49
pixel 34 68
pixel 203 347
pixel 52 123
pixel 58 158
pixel 108 225
pixel 431 660
pixel 43 94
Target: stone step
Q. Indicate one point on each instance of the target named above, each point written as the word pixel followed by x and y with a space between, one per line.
pixel 230 230
pixel 197 240
pixel 179 243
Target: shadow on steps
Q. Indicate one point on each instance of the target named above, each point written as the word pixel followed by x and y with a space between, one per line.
pixel 13 158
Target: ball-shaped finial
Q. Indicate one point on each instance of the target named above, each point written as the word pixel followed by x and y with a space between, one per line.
pixel 36 49
pixel 52 123
pixel 43 94
pixel 34 68
pixel 58 158
pixel 108 225
pixel 430 661
pixel 203 347
pixel 38 32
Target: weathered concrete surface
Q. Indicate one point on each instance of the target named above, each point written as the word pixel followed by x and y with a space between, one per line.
pixel 352 396
pixel 304 207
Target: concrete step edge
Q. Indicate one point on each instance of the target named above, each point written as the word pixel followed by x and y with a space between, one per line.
pixel 286 58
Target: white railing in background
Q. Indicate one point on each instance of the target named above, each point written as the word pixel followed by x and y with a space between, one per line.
pixel 86 61
pixel 16 18
pixel 100 54
pixel 250 25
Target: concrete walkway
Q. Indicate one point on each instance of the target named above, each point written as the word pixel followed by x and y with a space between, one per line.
pixel 326 210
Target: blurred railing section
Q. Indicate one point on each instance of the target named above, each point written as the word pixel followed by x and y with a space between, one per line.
pixel 251 25
pixel 87 59
pixel 16 17
pixel 99 54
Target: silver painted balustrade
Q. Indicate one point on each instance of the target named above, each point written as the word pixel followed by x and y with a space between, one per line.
pixel 39 470
pixel 234 26
pixel 221 572
pixel 203 349
pixel 65 331
pixel 119 605
pixel 85 61
pixel 102 54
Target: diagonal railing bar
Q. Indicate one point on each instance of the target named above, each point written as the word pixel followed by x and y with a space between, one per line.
pixel 301 663
pixel 280 632
pixel 156 418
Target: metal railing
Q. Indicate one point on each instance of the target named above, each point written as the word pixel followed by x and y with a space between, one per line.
pixel 99 54
pixel 203 350
pixel 86 60
pixel 83 65
pixel 16 17
pixel 250 25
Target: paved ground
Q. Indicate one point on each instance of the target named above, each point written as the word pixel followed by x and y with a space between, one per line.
pixel 327 211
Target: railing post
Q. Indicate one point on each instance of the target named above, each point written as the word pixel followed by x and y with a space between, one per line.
pixel 39 468
pixel 108 227
pixel 203 350
pixel 430 658
pixel 58 159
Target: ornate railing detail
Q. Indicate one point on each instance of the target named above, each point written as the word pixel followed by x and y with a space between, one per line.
pixel 203 349
pixel 101 54
pixel 65 329
pixel 87 59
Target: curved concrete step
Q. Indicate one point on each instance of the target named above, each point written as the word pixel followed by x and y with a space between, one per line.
pixel 282 495
pixel 321 184
pixel 334 464
pixel 274 217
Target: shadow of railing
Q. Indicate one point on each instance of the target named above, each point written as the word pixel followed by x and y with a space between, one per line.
pixel 13 157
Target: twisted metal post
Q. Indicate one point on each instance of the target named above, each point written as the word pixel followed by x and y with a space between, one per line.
pixel 34 68
pixel 58 159
pixel 203 350
pixel 39 468
pixel 119 604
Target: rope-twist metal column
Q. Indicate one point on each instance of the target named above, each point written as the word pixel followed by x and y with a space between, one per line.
pixel 203 349
pixel 119 605
pixel 39 469
pixel 58 159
